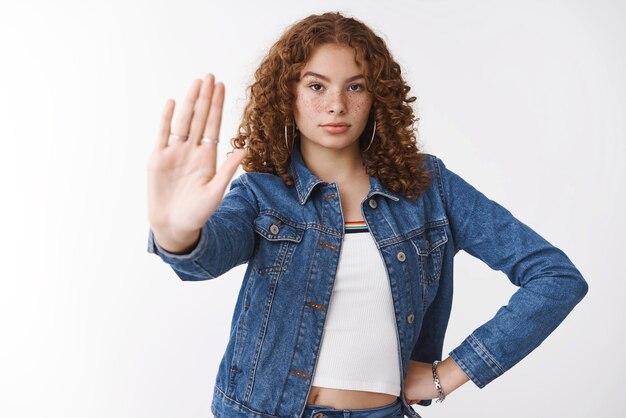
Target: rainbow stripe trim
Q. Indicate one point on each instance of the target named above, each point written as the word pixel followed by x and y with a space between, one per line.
pixel 355 226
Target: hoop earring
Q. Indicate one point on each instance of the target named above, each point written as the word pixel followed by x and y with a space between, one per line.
pixel 293 135
pixel 372 138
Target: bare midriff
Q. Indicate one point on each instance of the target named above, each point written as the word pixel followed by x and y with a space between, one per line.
pixel 348 399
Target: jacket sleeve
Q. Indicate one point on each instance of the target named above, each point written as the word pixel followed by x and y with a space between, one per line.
pixel 226 239
pixel 549 283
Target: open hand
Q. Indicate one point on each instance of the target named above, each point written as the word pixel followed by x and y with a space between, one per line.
pixel 184 187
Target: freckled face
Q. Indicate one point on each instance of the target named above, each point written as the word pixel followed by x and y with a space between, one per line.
pixel 331 90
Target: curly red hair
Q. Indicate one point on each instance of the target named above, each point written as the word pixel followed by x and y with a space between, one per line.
pixel 393 157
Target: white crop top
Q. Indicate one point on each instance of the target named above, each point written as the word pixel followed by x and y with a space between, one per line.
pixel 359 348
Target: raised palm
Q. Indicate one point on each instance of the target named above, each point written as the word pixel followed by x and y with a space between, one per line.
pixel 184 187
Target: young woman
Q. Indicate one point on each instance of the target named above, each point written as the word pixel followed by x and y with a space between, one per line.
pixel 349 232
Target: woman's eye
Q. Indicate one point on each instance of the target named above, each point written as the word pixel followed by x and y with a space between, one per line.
pixel 352 87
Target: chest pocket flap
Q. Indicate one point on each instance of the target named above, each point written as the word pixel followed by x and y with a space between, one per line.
pixel 273 228
pixel 431 239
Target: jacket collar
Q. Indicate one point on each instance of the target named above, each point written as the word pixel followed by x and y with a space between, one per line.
pixel 305 180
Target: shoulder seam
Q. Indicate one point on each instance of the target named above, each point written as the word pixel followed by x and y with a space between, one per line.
pixel 244 181
pixel 442 191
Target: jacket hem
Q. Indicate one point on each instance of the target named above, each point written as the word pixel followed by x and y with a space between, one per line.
pixel 225 407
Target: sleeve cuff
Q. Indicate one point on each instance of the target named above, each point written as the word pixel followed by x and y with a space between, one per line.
pixel 477 363
pixel 155 248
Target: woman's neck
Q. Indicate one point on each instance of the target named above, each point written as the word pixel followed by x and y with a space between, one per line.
pixel 341 166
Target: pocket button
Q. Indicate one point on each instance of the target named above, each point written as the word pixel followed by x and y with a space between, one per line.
pixel 401 256
pixel 274 229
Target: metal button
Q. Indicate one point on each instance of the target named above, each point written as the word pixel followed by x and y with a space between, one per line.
pixel 373 204
pixel 401 256
pixel 274 229
pixel 410 318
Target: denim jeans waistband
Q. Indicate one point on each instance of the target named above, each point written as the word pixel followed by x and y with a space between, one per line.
pixel 320 411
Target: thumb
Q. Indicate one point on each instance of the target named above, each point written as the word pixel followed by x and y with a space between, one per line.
pixel 228 168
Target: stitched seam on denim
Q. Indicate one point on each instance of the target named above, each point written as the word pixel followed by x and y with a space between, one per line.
pixel 408 235
pixel 409 283
pixel 244 180
pixel 286 250
pixel 486 355
pixel 442 193
pixel 388 223
pixel 263 331
pixel 242 331
pixel 308 225
pixel 200 246
pixel 241 406
pixel 437 263
pixel 283 218
pixel 204 244
pixel 422 263
pixel 396 295
pixel 278 237
pixel 397 329
pixel 440 185
pixel 303 307
pixel 287 256
pixel 467 371
pixel 232 373
pixel 383 193
pixel 278 266
pixel 269 270
pixel 297 183
pixel 324 229
pixel 247 290
pixel 432 245
pixel 434 274
pixel 294 236
pixel 213 276
pixel 424 288
pixel 310 186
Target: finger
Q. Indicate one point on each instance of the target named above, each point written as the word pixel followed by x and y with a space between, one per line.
pixel 184 118
pixel 201 109
pixel 212 128
pixel 228 168
pixel 165 124
pixel 214 121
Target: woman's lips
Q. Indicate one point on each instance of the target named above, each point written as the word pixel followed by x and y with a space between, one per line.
pixel 335 129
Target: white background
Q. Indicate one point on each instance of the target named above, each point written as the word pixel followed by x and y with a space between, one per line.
pixel 524 99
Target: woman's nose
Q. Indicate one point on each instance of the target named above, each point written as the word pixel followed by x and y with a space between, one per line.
pixel 337 103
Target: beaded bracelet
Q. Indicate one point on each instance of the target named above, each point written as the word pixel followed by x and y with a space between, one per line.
pixel 442 396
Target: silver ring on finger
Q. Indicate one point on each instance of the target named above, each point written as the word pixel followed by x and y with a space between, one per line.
pixel 181 138
pixel 206 139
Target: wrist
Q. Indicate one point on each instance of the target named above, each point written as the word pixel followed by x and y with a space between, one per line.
pixel 441 396
pixel 178 244
pixel 451 376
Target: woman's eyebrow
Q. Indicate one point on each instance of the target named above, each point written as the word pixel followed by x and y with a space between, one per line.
pixel 311 73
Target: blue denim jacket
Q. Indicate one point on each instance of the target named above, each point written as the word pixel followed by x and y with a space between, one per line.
pixel 291 239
